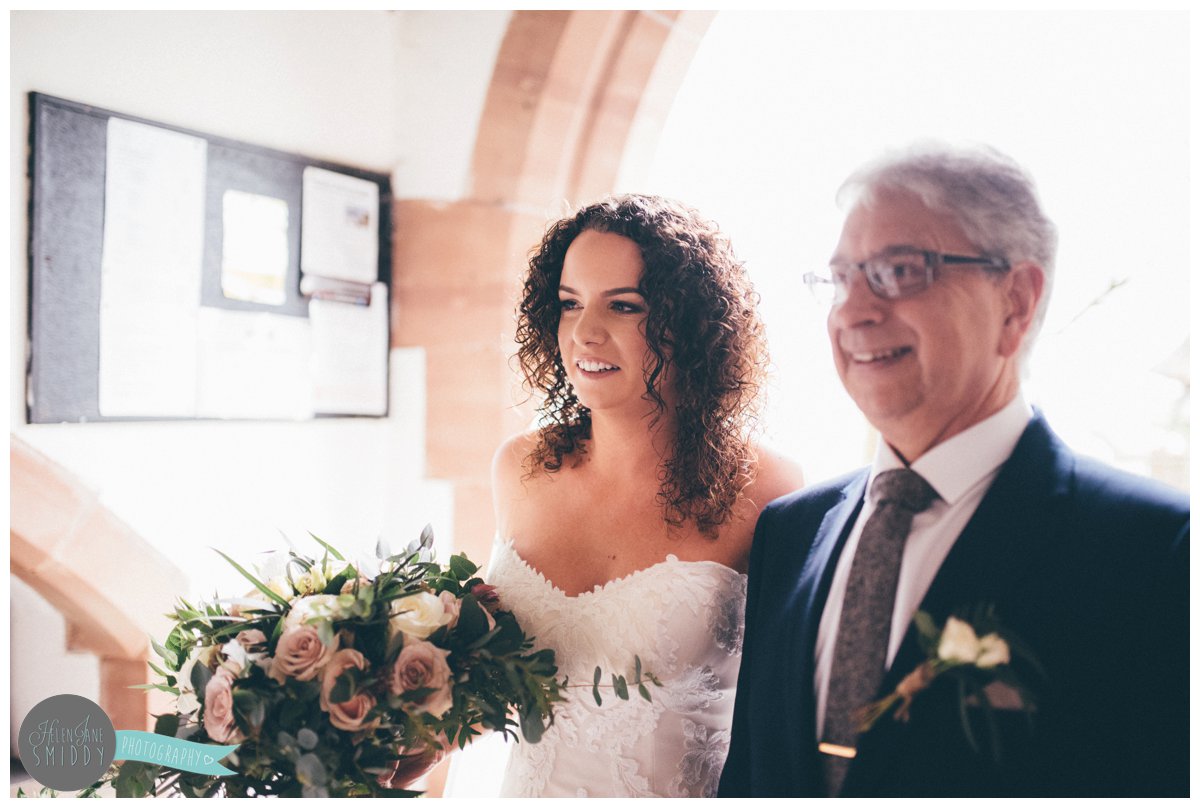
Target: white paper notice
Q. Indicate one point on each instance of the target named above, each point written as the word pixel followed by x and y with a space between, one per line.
pixel 253 364
pixel 350 355
pixel 254 255
pixel 150 270
pixel 339 226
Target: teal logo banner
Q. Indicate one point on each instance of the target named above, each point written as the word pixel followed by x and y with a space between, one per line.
pixel 187 756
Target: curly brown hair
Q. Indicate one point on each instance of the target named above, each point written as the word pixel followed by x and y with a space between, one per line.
pixel 702 322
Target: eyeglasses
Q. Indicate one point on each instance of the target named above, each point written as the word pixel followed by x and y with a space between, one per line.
pixel 893 275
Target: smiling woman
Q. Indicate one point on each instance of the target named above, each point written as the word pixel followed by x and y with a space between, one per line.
pixel 601 328
pixel 703 342
pixel 626 519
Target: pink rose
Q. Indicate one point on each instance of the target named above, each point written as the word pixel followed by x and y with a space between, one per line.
pixel 218 708
pixel 252 639
pixel 420 665
pixel 452 605
pixel 413 764
pixel 300 654
pixel 486 595
pixel 350 714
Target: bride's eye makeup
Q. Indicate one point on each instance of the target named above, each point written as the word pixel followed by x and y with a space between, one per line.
pixel 627 307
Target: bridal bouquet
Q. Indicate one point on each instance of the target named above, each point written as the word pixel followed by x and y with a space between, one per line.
pixel 336 682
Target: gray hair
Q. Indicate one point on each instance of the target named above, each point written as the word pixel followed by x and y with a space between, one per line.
pixel 991 198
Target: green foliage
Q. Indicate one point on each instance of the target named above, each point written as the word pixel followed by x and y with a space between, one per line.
pixel 288 747
pixel 620 685
pixel 970 678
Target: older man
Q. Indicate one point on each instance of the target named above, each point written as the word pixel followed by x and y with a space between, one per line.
pixel 972 509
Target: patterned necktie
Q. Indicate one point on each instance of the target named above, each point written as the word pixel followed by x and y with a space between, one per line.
pixel 860 652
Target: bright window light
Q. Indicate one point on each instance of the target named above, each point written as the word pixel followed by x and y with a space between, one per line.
pixel 778 107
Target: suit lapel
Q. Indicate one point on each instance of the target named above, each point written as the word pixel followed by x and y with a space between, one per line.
pixel 1000 543
pixel 811 593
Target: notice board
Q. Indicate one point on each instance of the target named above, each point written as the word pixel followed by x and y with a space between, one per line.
pixel 178 275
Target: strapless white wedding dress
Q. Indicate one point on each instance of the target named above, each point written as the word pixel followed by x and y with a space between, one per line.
pixel 685 620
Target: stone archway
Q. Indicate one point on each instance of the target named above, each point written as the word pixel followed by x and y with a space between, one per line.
pixel 110 586
pixel 575 96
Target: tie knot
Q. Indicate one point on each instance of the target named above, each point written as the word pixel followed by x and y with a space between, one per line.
pixel 903 488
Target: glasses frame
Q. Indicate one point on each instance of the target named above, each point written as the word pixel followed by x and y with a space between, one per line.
pixel 934 263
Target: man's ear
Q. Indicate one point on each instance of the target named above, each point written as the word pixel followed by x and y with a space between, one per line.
pixel 1023 290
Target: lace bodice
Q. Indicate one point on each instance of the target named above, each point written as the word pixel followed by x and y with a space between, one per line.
pixel 685 620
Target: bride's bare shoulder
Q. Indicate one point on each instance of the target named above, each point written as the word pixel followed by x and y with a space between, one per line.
pixel 510 463
pixel 775 475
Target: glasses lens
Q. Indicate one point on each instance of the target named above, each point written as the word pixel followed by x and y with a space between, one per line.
pixel 821 286
pixel 897 276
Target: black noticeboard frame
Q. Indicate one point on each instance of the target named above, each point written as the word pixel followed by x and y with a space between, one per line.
pixel 67 160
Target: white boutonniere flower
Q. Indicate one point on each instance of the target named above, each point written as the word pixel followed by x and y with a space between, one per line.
pixel 981 664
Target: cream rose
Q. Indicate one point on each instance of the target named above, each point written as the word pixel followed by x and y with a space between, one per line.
pixel 423 665
pixel 325 607
pixel 958 642
pixel 419 615
pixel 300 654
pixel 218 708
pixel 352 713
pixel 361 581
pixel 993 651
pixel 187 701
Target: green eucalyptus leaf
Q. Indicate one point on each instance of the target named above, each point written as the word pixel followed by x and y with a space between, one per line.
pixel 462 567
pixel 259 585
pixel 619 685
pixel 964 716
pixel 532 725
pixel 343 688
pixel 307 739
pixel 472 622
pixel 166 724
pixel 200 676
pixel 328 547
pixel 168 656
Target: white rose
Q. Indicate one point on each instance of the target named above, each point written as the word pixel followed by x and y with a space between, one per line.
pixel 325 607
pixel 993 651
pixel 419 615
pixel 238 657
pixel 200 655
pixel 958 643
pixel 187 703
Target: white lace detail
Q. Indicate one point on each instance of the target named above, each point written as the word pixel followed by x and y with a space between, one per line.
pixel 700 770
pixel 684 619
pixel 729 618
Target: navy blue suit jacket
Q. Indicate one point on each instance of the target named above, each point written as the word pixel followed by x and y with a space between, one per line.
pixel 1087 565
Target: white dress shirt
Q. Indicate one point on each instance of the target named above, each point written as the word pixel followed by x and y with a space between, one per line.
pixel 960 470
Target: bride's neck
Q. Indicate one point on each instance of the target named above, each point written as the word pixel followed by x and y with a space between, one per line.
pixel 629 443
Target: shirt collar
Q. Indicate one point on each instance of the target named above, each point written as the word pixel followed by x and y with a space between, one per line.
pixel 955 466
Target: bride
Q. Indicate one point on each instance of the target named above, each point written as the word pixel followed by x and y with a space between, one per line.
pixel 625 521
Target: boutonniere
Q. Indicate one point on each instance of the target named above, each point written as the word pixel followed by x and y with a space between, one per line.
pixel 976 652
